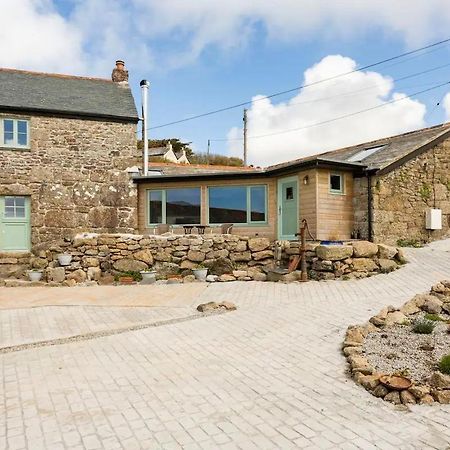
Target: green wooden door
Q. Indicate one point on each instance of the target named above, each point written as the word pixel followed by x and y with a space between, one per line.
pixel 288 208
pixel 14 223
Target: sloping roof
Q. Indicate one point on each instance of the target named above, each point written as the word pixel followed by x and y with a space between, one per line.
pixel 66 95
pixel 157 151
pixel 382 153
pixel 174 169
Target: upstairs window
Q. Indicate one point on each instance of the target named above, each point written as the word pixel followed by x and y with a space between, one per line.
pixel 336 183
pixel 14 133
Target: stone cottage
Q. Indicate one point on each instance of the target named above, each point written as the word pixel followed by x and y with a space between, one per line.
pixel 385 190
pixel 66 143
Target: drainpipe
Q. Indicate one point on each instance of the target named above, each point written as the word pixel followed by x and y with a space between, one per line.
pixel 369 208
pixel 144 91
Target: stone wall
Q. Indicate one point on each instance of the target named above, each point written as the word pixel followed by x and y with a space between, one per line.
pixel 401 198
pixel 75 173
pixel 229 257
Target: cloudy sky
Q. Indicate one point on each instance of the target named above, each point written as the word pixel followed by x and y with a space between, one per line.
pixel 202 55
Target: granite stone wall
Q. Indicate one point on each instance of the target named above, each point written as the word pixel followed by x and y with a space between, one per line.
pixel 98 257
pixel 75 174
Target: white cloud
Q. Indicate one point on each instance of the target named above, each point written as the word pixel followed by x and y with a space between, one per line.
pixel 446 105
pixel 35 36
pixel 346 95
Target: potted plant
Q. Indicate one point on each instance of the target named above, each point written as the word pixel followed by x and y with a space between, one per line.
pixel 148 276
pixel 35 274
pixel 64 259
pixel 200 272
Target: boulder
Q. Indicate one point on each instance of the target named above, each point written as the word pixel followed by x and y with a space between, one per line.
pixel 370 382
pixel 410 308
pixel 442 396
pixel 241 256
pixel 387 251
pixel 79 276
pixel 239 273
pixel 419 391
pixel 440 380
pixel 334 252
pixel 221 266
pixel 188 279
pixel 226 277
pixel 57 274
pixel 387 265
pixel 264 254
pixel 364 249
pixel 354 334
pixel 432 305
pixel 196 256
pixel 186 264
pixel 167 269
pixel 393 397
pixel 144 256
pixel 380 391
pixel 38 263
pixel 407 398
pixel 258 244
pixel 395 317
pixel 427 399
pixel 323 265
pixel 94 273
pixel 259 276
pixel 129 265
pixel 89 261
pixel 212 278
pixel 364 265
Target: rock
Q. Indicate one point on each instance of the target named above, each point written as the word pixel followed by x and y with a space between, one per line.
pixel 239 273
pixel 259 276
pixel 210 306
pixel 186 264
pixel 409 308
pixel 364 249
pixel 106 279
pixel 352 351
pixel 258 244
pixel 167 269
pixel 196 256
pixel 144 256
pixel 212 278
pixel 188 279
pixel 162 256
pixel 265 254
pixel 323 265
pixel 334 252
pixel 293 276
pixel 129 265
pixel 439 288
pixel 228 306
pixel 89 261
pixel 407 398
pixel 440 380
pixel 401 257
pixel 225 277
pixel 57 274
pixel 380 391
pixel 370 382
pixel 240 256
pixel 386 251
pixel 354 334
pixel 396 317
pixel 387 265
pixel 427 399
pixel 432 305
pixel 364 265
pixel 419 391
pixel 221 266
pixel 94 273
pixel 442 396
pixel 38 263
pixel 79 276
pixel 393 397
pixel 360 364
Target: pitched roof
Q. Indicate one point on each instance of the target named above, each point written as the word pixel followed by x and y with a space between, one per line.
pixel 157 151
pixel 381 153
pixel 66 95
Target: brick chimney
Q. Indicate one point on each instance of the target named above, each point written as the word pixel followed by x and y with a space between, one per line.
pixel 119 73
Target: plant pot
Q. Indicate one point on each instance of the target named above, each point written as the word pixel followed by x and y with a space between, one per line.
pixel 34 275
pixel 200 274
pixel 126 280
pixel 148 277
pixel 64 259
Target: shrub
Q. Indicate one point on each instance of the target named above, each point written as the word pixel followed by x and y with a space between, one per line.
pixel 423 326
pixel 444 364
pixel 416 243
pixel 434 317
pixel 135 275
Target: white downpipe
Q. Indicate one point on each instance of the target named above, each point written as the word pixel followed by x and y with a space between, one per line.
pixel 144 91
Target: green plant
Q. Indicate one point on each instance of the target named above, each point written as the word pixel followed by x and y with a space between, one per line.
pixel 416 243
pixel 434 317
pixel 135 275
pixel 444 364
pixel 423 326
pixel 425 191
pixel 200 266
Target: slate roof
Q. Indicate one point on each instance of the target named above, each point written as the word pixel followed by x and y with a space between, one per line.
pixel 66 95
pixel 392 150
pixel 157 151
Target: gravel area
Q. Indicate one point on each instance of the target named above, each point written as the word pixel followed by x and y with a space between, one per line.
pixel 398 348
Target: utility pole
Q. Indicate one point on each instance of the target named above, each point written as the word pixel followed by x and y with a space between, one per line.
pixel 245 137
pixel 144 91
pixel 207 152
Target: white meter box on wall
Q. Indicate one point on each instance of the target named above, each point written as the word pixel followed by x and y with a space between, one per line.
pixel 433 219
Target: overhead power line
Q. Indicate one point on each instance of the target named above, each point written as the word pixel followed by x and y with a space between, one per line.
pixel 334 119
pixel 249 102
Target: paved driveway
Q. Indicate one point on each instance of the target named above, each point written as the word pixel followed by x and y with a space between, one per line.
pixel 267 376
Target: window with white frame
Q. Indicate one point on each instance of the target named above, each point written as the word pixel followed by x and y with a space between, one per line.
pixel 336 183
pixel 237 204
pixel 14 133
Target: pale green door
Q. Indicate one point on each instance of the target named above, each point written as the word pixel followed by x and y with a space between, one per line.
pixel 14 223
pixel 288 208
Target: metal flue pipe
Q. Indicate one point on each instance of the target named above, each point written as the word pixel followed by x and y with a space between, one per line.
pixel 144 91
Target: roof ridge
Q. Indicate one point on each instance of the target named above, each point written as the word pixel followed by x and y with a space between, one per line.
pixel 55 75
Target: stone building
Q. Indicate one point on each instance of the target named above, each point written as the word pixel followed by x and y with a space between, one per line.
pixel 381 191
pixel 66 143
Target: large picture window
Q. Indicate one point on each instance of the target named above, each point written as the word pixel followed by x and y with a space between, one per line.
pixel 237 204
pixel 174 206
pixel 14 133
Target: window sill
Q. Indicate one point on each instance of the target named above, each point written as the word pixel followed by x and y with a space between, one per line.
pixel 15 149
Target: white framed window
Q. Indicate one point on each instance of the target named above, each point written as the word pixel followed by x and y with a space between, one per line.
pixel 336 183
pixel 14 133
